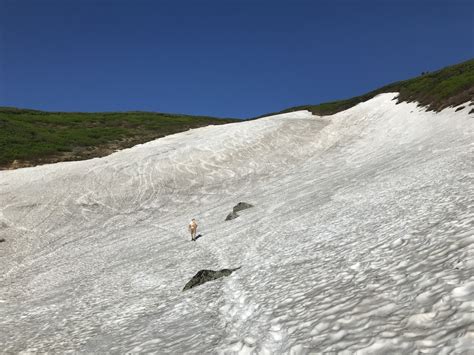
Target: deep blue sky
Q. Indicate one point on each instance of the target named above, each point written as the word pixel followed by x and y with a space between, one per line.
pixel 232 58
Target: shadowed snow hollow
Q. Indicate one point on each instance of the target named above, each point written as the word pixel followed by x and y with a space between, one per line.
pixel 360 240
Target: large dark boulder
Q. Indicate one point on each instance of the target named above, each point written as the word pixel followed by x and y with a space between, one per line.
pixel 204 276
pixel 241 206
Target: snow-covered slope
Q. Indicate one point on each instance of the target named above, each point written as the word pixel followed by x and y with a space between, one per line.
pixel 361 240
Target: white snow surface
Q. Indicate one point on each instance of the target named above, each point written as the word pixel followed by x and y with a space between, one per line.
pixel 361 240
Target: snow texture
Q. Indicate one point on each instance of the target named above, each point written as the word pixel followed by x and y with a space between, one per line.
pixel 361 240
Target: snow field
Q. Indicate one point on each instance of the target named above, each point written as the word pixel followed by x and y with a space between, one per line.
pixel 360 241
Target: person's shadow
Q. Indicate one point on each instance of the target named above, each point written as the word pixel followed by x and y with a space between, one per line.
pixel 197 237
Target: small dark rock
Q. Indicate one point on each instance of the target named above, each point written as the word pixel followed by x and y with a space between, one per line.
pixel 459 108
pixel 241 206
pixel 231 215
pixel 471 112
pixel 2 240
pixel 238 207
pixel 204 276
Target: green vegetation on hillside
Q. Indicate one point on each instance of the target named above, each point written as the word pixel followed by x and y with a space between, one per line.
pixel 30 137
pixel 450 86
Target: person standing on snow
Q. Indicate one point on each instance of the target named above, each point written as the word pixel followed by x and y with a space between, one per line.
pixel 193 228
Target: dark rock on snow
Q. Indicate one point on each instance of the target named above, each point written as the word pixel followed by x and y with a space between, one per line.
pixel 2 240
pixel 241 206
pixel 231 215
pixel 238 207
pixel 204 276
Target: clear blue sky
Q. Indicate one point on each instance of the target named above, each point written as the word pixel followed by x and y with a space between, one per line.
pixel 230 58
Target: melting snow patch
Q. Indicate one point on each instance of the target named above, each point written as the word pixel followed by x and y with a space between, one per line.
pixel 360 241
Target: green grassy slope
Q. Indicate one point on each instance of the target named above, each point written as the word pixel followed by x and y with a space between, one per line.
pixel 437 90
pixel 30 137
